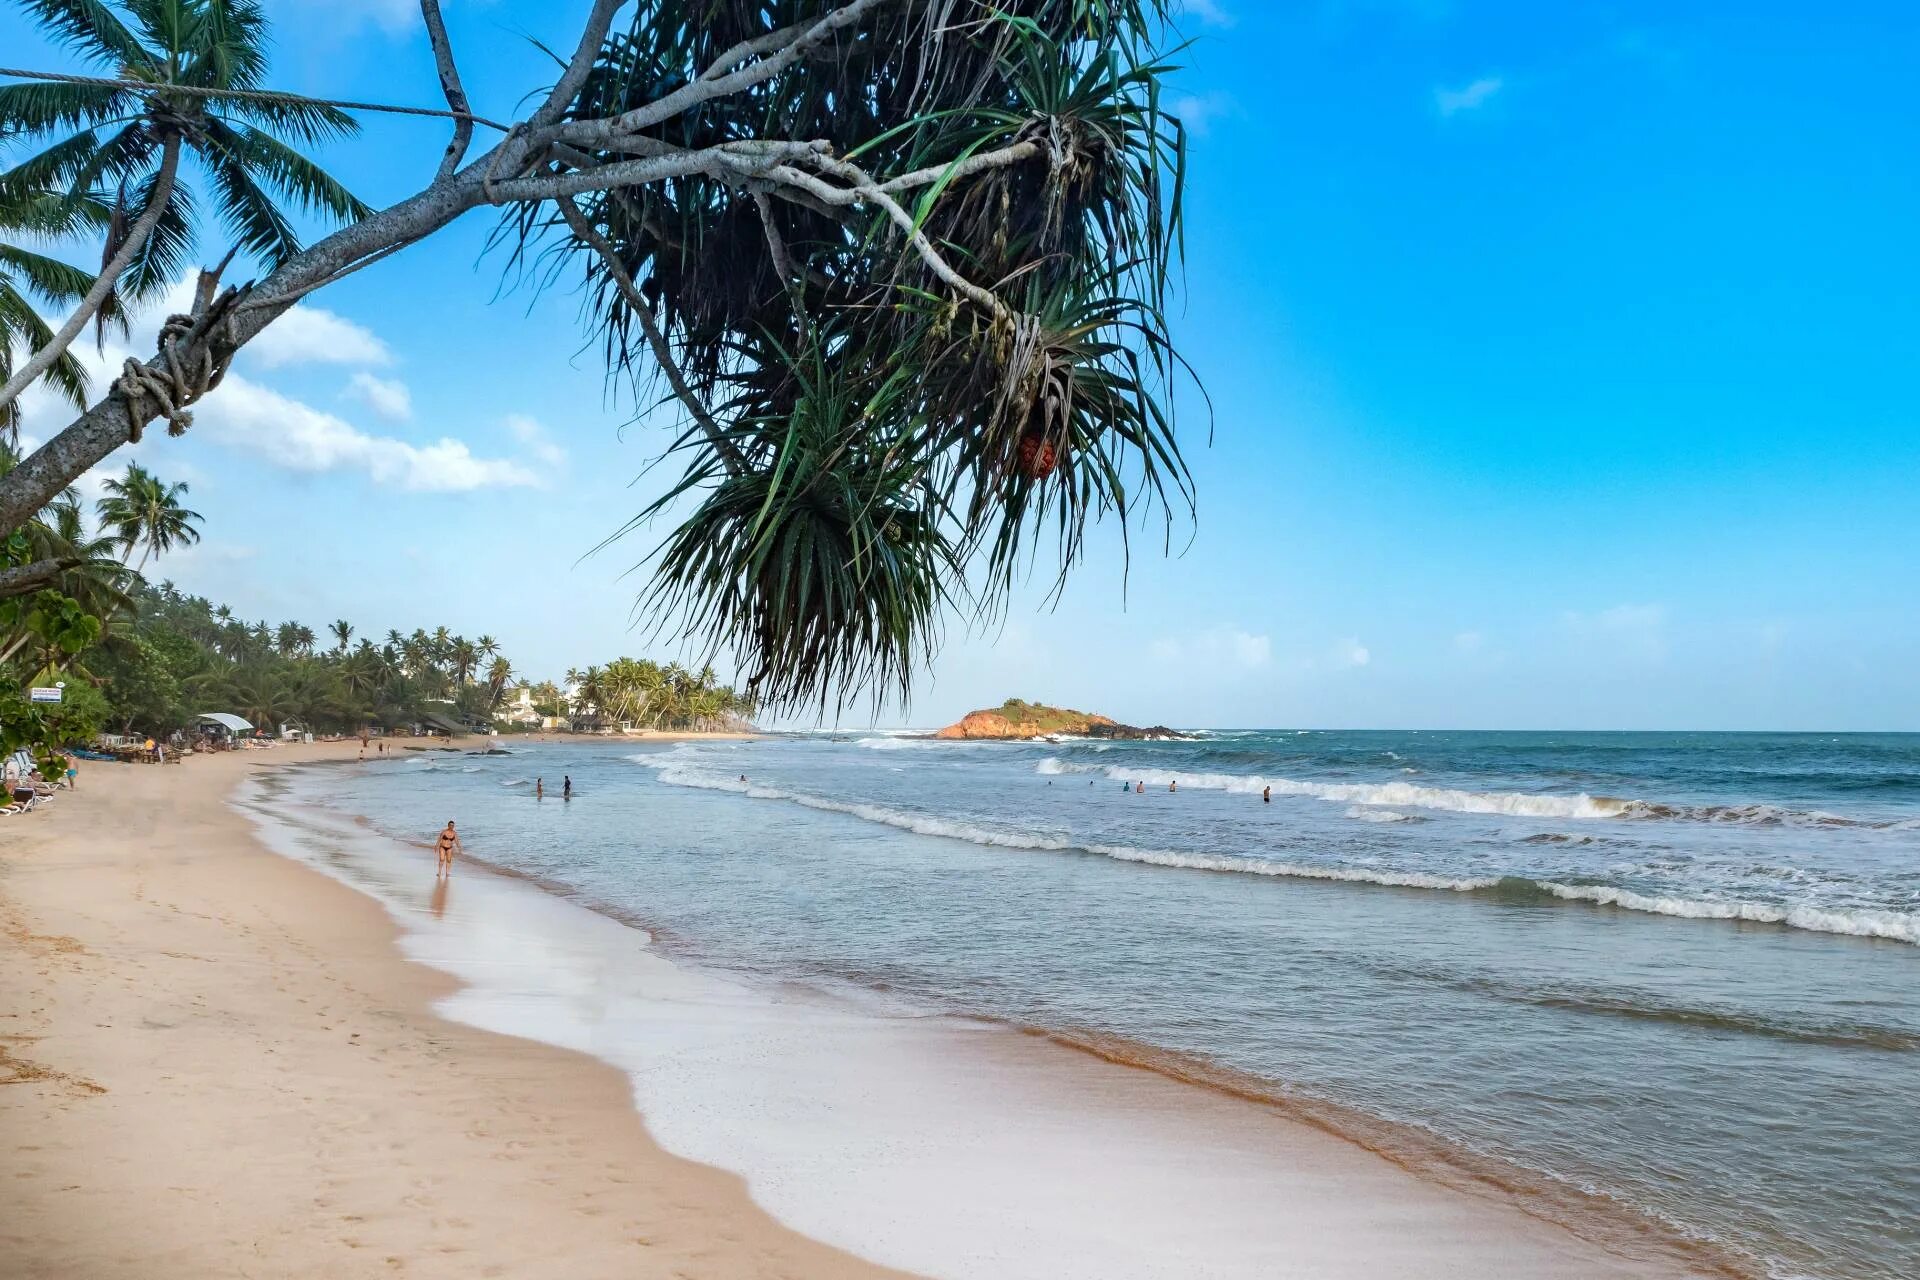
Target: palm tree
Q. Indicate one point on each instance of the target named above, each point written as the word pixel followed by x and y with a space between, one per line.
pixel 498 673
pixel 25 275
pixel 286 639
pixel 131 139
pixel 141 511
pixel 342 633
pixel 464 657
pixel 93 576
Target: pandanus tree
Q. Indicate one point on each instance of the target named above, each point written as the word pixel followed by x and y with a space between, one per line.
pixel 184 70
pixel 901 266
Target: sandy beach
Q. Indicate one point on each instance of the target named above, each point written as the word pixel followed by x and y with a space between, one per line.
pixel 217 1065
pixel 220 1065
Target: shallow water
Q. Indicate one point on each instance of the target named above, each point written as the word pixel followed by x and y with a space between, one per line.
pixel 1678 972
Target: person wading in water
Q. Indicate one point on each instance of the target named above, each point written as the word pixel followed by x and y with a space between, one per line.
pixel 449 845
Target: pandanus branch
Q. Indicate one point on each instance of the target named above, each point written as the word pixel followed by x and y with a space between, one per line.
pixel 589 235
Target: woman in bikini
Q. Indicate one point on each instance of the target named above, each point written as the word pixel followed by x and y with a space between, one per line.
pixel 449 845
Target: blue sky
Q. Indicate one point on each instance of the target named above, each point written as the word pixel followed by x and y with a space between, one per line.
pixel 1561 357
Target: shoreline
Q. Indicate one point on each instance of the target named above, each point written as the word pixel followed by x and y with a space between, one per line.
pixel 222 1065
pixel 1467 1214
pixel 1483 1231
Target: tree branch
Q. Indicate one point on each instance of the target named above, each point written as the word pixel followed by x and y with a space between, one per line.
pixel 643 311
pixel 746 156
pixel 776 245
pixel 976 163
pixel 865 190
pixel 567 88
pixel 20 579
pixel 449 85
pixel 804 38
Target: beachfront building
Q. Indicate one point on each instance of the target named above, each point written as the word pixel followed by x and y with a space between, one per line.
pixel 517 708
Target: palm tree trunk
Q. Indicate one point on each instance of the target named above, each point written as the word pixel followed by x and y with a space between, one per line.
pixel 40 361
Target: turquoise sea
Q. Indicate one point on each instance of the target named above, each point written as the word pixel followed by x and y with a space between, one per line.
pixel 1673 979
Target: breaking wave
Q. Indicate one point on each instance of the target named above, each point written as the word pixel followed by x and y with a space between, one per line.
pixel 1898 926
pixel 1521 804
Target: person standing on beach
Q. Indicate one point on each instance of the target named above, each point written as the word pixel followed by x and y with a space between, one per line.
pixel 449 845
pixel 73 772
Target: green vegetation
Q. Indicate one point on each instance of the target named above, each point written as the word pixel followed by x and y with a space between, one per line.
pixel 139 658
pixel 645 694
pixel 1043 718
pixel 119 151
pixel 903 269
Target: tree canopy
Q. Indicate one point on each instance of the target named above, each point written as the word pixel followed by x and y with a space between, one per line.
pixel 901 267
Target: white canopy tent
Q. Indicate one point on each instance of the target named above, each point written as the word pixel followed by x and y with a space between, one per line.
pixel 226 720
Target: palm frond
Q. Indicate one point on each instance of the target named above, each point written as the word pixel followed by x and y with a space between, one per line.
pixel 168 251
pixel 92 30
pixel 35 106
pixel 250 213
pixel 50 278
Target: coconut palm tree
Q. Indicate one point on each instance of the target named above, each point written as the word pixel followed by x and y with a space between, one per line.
pixel 342 633
pixel 140 511
pixel 131 139
pixel 94 576
pixel 499 672
pixel 464 657
pixel 26 276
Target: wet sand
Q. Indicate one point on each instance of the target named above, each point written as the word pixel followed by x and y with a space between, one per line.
pixel 217 1064
pixel 220 1064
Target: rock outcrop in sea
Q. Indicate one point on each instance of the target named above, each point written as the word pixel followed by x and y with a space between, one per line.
pixel 1018 720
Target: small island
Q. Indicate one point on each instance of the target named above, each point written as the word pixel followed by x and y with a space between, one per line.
pixel 1018 720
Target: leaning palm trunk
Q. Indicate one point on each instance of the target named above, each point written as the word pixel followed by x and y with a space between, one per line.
pixel 103 286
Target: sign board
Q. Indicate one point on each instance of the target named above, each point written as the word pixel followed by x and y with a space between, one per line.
pixel 38 694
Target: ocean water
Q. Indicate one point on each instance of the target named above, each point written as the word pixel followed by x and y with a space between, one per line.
pixel 1672 980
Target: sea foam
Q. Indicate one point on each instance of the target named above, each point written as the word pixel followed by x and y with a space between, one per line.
pixel 1899 926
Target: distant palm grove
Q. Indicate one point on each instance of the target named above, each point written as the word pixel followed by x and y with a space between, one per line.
pixel 132 657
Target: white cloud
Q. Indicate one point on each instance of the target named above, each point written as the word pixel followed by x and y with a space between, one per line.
pixel 1209 13
pixel 1468 98
pixel 387 397
pixel 1351 653
pixel 1469 642
pixel 298 437
pixel 1199 111
pixel 313 335
pixel 1220 646
pixel 534 439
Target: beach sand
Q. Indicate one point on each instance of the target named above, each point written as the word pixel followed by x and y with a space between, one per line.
pixel 219 1064
pixel 216 1064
